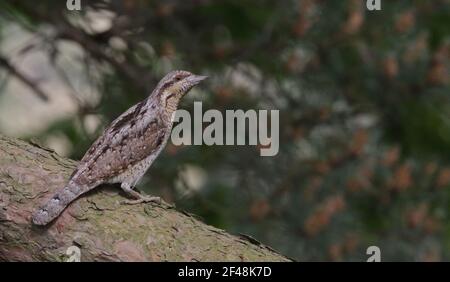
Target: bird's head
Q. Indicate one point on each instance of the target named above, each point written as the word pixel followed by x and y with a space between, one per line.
pixel 175 85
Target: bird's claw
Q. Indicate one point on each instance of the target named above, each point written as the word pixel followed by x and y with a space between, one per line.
pixel 143 199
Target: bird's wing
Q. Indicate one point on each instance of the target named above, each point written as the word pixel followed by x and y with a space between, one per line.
pixel 129 139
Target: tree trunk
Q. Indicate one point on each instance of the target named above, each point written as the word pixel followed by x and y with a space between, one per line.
pixel 97 224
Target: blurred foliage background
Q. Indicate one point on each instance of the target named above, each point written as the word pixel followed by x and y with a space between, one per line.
pixel 363 97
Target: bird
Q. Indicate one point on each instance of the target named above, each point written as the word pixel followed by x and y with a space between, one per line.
pixel 126 149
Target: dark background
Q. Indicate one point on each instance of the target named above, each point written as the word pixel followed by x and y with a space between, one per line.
pixel 363 97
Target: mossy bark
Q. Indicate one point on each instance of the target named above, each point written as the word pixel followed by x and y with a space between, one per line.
pixel 97 223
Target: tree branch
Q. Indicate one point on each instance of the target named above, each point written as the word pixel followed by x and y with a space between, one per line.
pixel 11 69
pixel 97 223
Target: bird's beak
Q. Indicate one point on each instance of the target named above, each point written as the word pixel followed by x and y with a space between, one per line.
pixel 196 79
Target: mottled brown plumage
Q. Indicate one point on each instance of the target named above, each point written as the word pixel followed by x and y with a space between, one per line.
pixel 127 148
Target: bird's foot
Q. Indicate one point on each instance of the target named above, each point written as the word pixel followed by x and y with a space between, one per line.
pixel 143 199
pixel 140 198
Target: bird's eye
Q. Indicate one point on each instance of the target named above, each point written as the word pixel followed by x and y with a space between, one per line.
pixel 177 78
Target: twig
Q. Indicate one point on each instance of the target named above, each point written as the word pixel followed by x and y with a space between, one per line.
pixel 131 71
pixel 4 62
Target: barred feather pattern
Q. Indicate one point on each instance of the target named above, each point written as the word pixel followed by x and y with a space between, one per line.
pixel 127 147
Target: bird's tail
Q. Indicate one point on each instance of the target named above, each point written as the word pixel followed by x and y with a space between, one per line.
pixel 55 206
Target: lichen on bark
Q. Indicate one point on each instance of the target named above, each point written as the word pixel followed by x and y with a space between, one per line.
pixel 97 223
